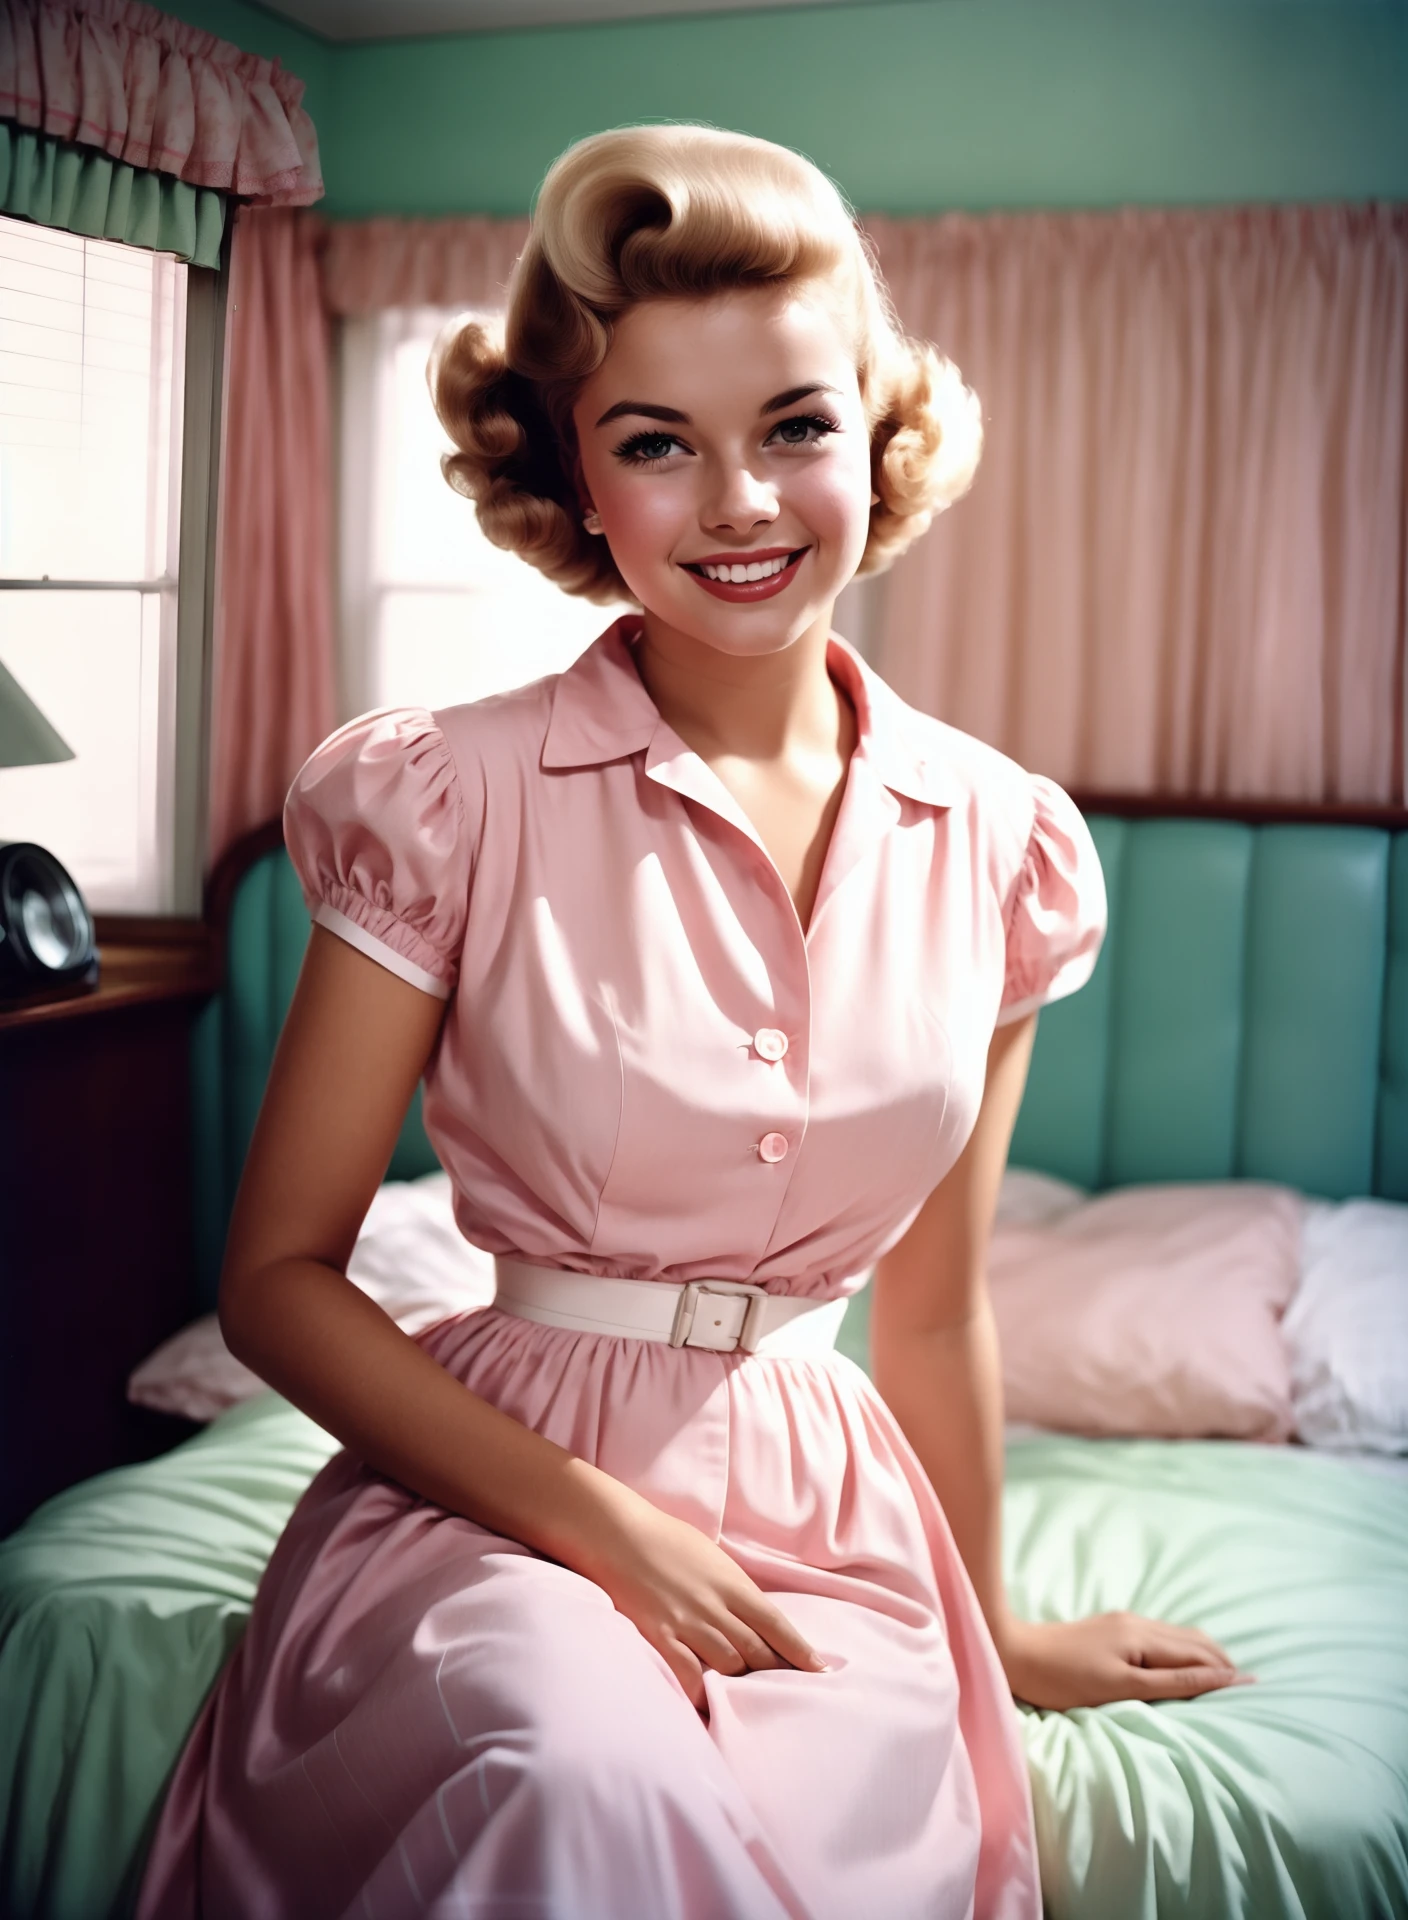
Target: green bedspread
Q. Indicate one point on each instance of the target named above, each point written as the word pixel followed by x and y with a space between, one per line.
pixel 120 1600
pixel 1285 1798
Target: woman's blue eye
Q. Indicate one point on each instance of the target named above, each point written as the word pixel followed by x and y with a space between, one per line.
pixel 819 421
pixel 646 448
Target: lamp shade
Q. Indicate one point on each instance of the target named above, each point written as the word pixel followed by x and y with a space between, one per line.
pixel 26 738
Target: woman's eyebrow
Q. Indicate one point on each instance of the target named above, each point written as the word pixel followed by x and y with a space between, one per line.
pixel 650 411
pixel 645 407
pixel 794 394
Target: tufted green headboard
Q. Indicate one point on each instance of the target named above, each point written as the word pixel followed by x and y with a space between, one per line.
pixel 1248 1018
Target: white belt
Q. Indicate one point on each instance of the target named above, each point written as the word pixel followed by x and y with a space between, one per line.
pixel 724 1315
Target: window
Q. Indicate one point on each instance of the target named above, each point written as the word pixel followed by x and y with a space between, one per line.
pixel 107 365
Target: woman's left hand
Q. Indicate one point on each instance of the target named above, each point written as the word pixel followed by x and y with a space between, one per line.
pixel 1112 1656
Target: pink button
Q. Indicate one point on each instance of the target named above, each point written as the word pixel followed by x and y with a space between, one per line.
pixel 770 1043
pixel 772 1146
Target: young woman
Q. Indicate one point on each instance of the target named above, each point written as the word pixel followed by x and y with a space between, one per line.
pixel 629 1598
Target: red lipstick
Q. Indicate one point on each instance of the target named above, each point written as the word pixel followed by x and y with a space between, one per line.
pixel 746 590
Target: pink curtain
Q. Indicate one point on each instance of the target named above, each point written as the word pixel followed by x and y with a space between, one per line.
pixel 275 652
pixel 1182 564
pixel 374 264
pixel 157 94
pixel 275 685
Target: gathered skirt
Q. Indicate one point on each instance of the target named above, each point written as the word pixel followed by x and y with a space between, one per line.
pixel 427 1718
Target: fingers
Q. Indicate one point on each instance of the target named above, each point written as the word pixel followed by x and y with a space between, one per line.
pixel 1181 1683
pixel 1218 1656
pixel 783 1638
pixel 732 1648
pixel 716 1648
pixel 762 1632
pixel 765 1640
pixel 685 1666
pixel 773 1642
pixel 1179 1650
pixel 1154 1643
pixel 1188 1646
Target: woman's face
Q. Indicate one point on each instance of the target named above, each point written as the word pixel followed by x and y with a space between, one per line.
pixel 722 434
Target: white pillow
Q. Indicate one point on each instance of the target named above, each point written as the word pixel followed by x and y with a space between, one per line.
pixel 1347 1327
pixel 410 1257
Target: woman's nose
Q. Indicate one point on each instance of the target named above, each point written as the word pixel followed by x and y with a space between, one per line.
pixel 739 500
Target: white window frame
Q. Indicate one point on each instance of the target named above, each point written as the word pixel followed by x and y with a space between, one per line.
pixel 183 756
pixel 366 441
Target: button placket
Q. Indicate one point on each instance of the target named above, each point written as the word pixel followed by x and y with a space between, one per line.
pixel 770 1044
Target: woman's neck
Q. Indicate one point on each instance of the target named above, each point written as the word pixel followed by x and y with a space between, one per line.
pixel 758 707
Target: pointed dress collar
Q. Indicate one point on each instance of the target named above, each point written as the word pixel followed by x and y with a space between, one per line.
pixel 601 710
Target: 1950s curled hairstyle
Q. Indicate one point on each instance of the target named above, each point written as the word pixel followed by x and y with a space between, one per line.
pixel 678 212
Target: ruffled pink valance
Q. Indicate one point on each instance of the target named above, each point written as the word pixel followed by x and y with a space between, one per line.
pixel 160 95
pixel 369 265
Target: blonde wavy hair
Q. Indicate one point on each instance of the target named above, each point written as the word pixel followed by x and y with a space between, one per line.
pixel 677 211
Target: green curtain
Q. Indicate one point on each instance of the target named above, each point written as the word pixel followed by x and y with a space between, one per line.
pixel 83 191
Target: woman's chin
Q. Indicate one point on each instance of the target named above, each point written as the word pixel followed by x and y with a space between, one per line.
pixel 738 628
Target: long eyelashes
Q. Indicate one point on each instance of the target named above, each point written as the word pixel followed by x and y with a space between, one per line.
pixel 823 423
pixel 633 452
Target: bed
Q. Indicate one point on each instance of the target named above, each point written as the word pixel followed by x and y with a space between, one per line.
pixel 1248 1021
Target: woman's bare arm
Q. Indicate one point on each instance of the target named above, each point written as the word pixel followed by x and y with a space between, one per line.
pixel 935 1362
pixel 932 1339
pixel 353 1046
pixel 352 1049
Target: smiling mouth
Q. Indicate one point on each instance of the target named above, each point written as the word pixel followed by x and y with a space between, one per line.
pixel 747 579
pixel 744 571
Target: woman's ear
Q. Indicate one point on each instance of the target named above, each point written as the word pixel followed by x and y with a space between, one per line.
pixel 591 520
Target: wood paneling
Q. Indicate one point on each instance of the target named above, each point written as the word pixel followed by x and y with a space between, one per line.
pixel 96 1263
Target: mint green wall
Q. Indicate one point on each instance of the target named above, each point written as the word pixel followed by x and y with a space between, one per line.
pixel 911 105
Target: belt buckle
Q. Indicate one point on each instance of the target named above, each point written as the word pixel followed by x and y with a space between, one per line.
pixel 688 1302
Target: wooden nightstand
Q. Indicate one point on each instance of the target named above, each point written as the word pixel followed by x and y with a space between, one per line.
pixel 96 1264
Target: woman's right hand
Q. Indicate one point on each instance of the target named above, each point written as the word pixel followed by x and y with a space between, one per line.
pixel 691 1600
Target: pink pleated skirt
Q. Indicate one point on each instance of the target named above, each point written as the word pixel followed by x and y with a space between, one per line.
pixel 427 1718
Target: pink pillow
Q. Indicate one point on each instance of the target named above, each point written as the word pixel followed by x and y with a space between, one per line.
pixel 1152 1310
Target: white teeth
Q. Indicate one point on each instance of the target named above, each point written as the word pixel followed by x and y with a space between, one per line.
pixel 739 572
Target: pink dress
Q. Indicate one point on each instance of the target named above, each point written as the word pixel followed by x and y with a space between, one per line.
pixel 424 1717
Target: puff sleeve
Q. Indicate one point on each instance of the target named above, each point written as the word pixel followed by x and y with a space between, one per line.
pixel 375 827
pixel 1056 910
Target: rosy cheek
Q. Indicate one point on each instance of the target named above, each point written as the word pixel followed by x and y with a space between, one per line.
pixel 829 499
pixel 645 518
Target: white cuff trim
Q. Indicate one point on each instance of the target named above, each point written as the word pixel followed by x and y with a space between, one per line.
pixel 1020 1010
pixel 377 950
